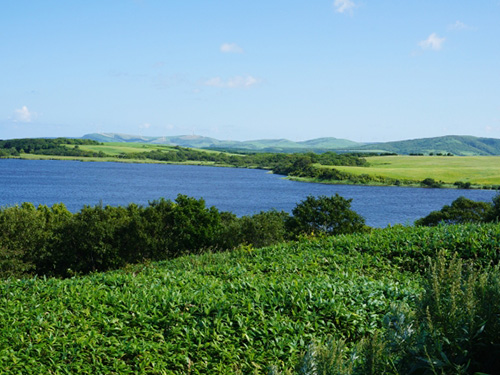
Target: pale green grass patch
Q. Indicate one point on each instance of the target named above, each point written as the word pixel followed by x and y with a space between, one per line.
pixel 473 169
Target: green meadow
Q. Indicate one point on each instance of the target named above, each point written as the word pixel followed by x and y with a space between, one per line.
pixel 479 170
pixel 117 148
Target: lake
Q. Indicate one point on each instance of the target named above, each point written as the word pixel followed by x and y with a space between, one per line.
pixel 241 191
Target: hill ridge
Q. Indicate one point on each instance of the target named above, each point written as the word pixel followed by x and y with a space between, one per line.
pixel 461 145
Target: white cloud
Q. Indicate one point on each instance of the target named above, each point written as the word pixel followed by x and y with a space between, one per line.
pixel 433 42
pixel 458 26
pixel 231 48
pixel 145 126
pixel 235 82
pixel 342 6
pixel 23 115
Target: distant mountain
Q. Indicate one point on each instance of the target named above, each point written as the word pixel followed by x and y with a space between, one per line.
pixel 329 143
pixel 195 141
pixel 455 144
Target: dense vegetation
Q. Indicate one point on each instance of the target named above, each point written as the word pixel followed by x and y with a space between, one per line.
pixel 454 328
pixel 463 210
pixel 55 242
pixel 249 309
pixel 47 146
pixel 338 298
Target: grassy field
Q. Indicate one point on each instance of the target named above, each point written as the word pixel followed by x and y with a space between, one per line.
pixel 479 170
pixel 117 148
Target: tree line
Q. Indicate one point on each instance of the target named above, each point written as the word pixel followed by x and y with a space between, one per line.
pixel 47 146
pixel 55 242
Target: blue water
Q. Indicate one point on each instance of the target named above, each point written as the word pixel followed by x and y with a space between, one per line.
pixel 241 191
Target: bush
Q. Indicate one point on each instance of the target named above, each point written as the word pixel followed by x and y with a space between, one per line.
pixel 461 210
pixel 431 183
pixel 25 233
pixel 325 215
pixel 494 213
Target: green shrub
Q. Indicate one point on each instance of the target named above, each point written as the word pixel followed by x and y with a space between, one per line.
pixel 325 215
pixel 494 214
pixel 461 210
pixel 431 183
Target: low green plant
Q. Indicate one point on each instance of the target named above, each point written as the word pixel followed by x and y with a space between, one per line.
pixel 216 313
pixel 453 329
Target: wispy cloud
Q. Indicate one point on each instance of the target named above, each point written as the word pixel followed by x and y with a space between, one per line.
pixel 231 48
pixel 342 6
pixel 23 115
pixel 458 25
pixel 145 126
pixel 433 42
pixel 235 82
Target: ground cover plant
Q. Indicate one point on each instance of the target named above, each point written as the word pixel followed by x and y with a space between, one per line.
pixel 367 302
pixel 234 312
pixel 219 313
pixel 454 328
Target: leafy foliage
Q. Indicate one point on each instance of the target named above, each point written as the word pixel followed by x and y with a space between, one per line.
pixel 53 241
pixel 461 210
pixel 44 146
pixel 223 313
pixel 494 213
pixel 325 215
pixel 453 329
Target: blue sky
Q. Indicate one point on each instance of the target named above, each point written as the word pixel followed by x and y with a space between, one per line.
pixel 242 70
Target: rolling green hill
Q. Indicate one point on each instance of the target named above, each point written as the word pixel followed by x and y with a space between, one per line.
pixel 454 144
pixel 268 145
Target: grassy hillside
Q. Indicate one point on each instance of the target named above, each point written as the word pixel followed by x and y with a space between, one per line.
pixel 184 141
pixel 329 143
pixel 268 145
pixel 224 313
pixel 480 170
pixel 454 144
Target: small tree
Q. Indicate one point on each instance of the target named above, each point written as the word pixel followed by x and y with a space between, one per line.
pixel 461 210
pixel 494 213
pixel 328 215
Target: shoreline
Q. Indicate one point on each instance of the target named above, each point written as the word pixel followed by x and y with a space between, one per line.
pixel 406 183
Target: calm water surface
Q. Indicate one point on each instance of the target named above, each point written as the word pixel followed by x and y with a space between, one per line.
pixel 242 191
